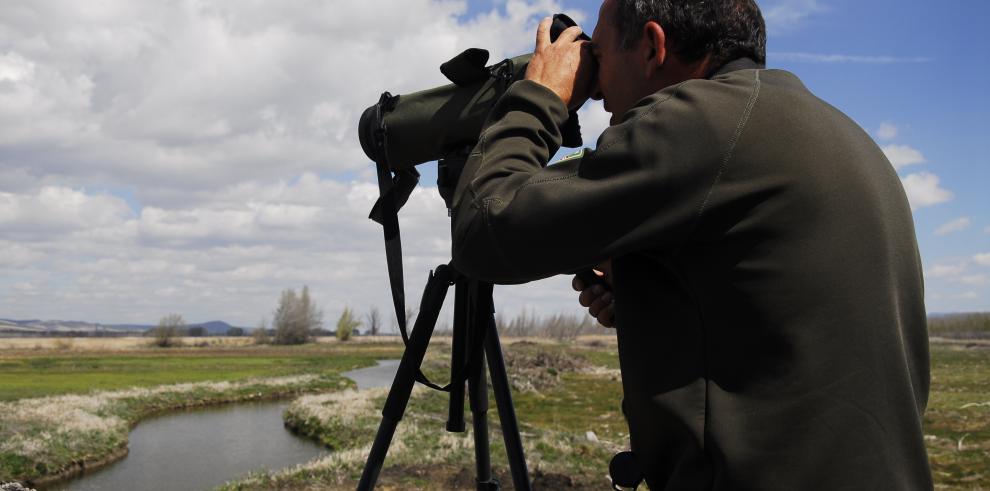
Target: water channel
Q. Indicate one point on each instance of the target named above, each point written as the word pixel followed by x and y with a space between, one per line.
pixel 203 448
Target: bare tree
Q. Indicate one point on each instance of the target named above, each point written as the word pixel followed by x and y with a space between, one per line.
pixel 374 319
pixel 260 334
pixel 168 330
pixel 296 317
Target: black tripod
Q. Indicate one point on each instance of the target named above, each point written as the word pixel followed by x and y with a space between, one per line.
pixel 474 327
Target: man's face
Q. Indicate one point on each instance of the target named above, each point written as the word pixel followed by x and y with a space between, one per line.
pixel 621 73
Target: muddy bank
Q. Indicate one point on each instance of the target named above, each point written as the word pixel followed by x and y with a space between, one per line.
pixel 79 468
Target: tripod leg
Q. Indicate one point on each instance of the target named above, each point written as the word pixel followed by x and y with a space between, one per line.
pixel 503 398
pixel 459 346
pixel 405 377
pixel 478 397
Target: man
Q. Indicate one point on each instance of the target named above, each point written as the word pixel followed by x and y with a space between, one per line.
pixel 768 294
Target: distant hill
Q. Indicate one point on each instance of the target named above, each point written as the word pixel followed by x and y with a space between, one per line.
pixel 36 327
pixel 214 328
pixel 39 327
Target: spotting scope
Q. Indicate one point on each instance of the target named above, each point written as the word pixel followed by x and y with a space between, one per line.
pixel 407 130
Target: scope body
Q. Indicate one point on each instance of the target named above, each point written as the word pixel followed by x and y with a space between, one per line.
pixel 408 130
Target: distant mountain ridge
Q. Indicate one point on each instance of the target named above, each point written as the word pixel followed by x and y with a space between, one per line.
pixel 42 327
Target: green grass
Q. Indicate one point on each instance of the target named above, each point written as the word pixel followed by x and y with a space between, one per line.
pixel 554 422
pixel 959 410
pixel 553 419
pixel 64 443
pixel 54 373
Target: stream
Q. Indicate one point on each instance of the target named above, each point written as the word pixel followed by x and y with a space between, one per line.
pixel 204 448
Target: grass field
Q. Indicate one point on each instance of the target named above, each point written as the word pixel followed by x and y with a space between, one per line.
pixel 561 392
pixel 41 372
pixel 65 408
pixel 957 423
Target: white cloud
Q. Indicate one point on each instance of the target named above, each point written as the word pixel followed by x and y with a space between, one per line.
pixel 923 190
pixel 975 280
pixel 842 58
pixel 946 270
pixel 149 95
pixel 14 255
pixel 227 126
pixel 903 155
pixel 953 226
pixel 982 259
pixel 225 259
pixel 785 15
pixel 887 131
pixel 55 211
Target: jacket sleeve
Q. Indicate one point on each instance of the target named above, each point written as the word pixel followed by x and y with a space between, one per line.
pixel 516 219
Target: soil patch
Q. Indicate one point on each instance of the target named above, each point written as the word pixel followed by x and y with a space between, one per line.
pixel 536 368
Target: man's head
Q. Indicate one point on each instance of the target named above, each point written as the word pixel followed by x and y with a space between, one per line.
pixel 645 45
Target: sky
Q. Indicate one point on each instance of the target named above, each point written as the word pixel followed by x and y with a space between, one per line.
pixel 200 156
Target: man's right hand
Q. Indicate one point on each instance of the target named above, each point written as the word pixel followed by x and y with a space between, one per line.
pixel 598 299
pixel 565 66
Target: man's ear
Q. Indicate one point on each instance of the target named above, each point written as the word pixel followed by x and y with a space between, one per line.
pixel 655 45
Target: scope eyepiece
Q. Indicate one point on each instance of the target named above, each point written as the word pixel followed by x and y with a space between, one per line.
pixel 560 23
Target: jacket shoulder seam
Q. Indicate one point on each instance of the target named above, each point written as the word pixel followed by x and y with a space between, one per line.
pixel 733 141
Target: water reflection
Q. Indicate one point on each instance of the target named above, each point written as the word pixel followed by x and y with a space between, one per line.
pixel 201 449
pixel 374 377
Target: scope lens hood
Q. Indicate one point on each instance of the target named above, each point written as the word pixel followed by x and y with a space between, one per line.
pixel 368 131
pixel 371 127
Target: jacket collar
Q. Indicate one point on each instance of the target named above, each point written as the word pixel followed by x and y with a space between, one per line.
pixel 738 64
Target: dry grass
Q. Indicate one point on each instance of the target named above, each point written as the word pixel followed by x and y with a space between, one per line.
pixel 421 455
pixel 568 444
pixel 111 344
pixel 139 342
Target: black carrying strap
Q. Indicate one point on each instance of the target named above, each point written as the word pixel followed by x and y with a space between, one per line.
pixel 394 190
pixel 403 183
pixel 386 211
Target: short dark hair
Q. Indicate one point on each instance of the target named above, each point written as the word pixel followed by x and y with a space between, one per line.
pixel 728 29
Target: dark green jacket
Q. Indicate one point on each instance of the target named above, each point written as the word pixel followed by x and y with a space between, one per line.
pixel 768 289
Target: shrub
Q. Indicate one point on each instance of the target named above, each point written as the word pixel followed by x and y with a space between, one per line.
pixel 346 324
pixel 166 334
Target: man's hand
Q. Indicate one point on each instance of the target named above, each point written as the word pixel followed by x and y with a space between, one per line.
pixel 599 300
pixel 566 66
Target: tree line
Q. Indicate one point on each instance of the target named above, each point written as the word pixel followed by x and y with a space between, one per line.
pixel 962 326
